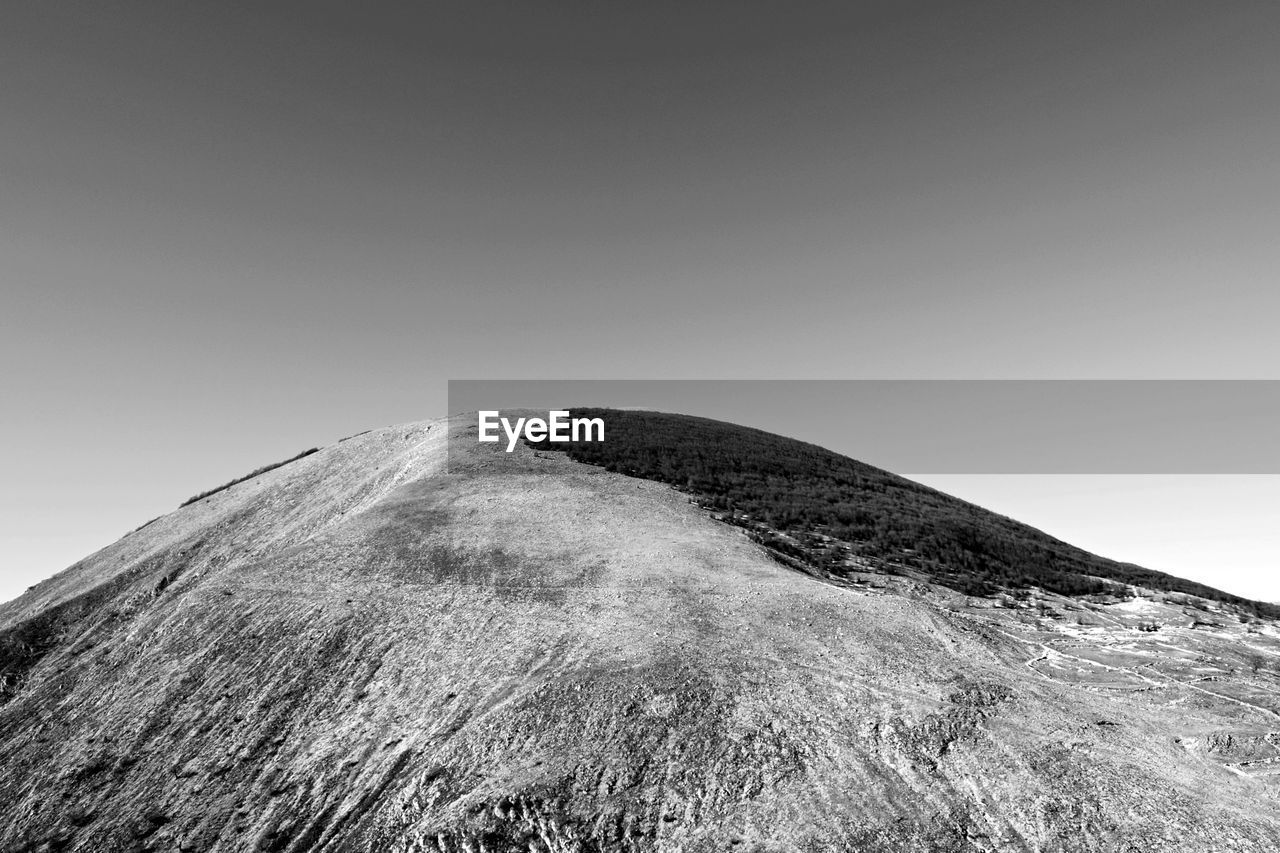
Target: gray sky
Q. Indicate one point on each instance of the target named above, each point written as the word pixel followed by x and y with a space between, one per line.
pixel 229 231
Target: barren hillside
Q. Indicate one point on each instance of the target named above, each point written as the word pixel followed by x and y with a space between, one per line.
pixel 362 651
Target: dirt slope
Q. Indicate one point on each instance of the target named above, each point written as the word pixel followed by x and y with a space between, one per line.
pixel 360 651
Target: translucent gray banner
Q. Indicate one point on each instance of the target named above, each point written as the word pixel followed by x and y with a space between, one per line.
pixel 957 426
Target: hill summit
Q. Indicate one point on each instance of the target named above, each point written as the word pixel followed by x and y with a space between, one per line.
pixel 385 646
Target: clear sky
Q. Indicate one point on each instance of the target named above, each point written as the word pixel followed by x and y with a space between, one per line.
pixel 230 231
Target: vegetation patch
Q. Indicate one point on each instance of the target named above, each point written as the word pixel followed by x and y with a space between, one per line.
pixel 812 506
pixel 264 469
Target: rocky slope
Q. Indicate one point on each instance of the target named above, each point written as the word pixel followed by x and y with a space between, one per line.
pixel 363 651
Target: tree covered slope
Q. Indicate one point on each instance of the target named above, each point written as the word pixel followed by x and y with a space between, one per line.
pixel 790 487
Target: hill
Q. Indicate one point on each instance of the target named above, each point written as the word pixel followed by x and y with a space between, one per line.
pixel 369 650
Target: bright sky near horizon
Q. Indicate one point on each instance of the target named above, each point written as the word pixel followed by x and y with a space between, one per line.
pixel 231 231
pixel 1218 529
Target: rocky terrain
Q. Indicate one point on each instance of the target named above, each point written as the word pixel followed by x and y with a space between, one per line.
pixel 366 649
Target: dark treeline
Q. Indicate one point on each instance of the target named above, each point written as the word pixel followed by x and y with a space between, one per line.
pixel 264 469
pixel 801 489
